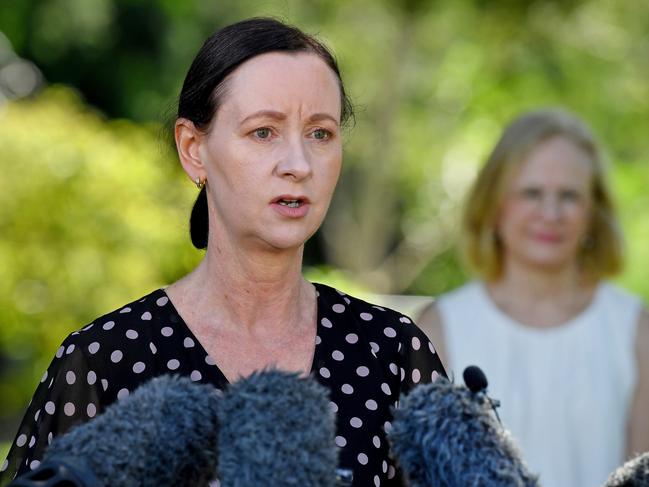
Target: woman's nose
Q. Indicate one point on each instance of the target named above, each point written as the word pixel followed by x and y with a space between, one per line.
pixel 295 163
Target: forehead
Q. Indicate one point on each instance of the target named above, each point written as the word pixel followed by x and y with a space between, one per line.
pixel 280 81
pixel 556 161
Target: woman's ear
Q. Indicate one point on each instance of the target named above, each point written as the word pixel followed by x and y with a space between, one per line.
pixel 188 142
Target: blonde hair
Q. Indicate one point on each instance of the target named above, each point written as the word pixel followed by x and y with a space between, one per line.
pixel 601 253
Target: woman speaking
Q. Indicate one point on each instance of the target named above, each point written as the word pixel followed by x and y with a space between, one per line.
pixel 258 131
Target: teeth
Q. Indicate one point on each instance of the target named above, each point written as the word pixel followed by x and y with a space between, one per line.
pixel 290 203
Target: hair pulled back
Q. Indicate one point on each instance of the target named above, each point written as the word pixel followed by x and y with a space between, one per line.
pixel 206 80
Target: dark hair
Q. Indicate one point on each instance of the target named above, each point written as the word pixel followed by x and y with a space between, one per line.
pixel 206 80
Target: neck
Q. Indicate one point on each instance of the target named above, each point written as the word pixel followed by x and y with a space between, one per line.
pixel 538 283
pixel 253 288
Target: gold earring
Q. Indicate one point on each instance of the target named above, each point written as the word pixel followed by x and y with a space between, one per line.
pixel 199 182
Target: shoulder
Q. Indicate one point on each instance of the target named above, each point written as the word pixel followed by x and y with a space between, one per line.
pixel 618 296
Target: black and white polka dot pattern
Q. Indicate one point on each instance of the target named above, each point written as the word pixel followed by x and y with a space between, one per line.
pixel 367 356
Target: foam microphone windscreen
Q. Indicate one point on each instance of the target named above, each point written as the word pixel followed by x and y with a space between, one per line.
pixel 444 435
pixel 634 473
pixel 165 433
pixel 276 429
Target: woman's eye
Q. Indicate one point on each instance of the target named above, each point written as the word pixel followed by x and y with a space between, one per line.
pixel 321 134
pixel 531 193
pixel 262 133
pixel 569 196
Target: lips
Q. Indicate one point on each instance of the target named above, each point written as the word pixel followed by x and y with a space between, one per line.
pixel 291 206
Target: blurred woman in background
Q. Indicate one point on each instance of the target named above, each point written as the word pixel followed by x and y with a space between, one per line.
pixel 565 351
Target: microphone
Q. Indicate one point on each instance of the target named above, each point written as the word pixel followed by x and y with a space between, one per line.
pixel 443 435
pixel 476 380
pixel 634 473
pixel 164 433
pixel 277 429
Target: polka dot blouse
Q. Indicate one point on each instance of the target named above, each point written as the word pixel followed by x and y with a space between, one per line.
pixel 365 354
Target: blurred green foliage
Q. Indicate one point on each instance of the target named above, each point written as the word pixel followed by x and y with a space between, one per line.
pixel 93 207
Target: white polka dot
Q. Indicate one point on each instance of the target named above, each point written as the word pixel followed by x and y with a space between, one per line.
pixel 347 389
pixel 404 319
pixel 138 367
pixel 88 327
pixel 146 316
pixel 34 464
pixel 44 378
pixel 209 360
pixel 50 437
pixel 167 331
pixel 195 376
pixel 371 405
pixel 340 441
pixel 21 440
pixel 132 334
pixel 356 422
pixel 173 364
pixel 5 464
pixel 362 458
pixel 188 342
pixel 376 441
pixel 338 308
pixel 93 348
pixel 122 393
pixel 91 410
pixel 351 338
pixel 384 466
pixel 108 325
pixel 363 371
pixel 59 352
pixel 377 481
pixel 431 348
pixel 162 301
pixel 104 384
pixel 378 307
pixel 416 375
pixel 153 348
pixel 386 389
pixel 375 347
pixel 393 368
pixel 416 343
pixel 125 310
pixel 333 406
pixel 326 323
pixel 434 376
pixel 91 377
pixel 403 374
pixel 324 372
pixel 366 316
pixel 337 355
pixel 318 340
pixel 38 413
pixel 391 472
pixel 387 426
pixel 116 356
pixel 50 407
pixel 69 409
pixel 389 332
pixel 70 377
pixel 347 300
pixel 70 349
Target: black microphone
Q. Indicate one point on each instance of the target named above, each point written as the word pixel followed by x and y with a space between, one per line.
pixel 164 433
pixel 444 435
pixel 476 380
pixel 277 429
pixel 634 473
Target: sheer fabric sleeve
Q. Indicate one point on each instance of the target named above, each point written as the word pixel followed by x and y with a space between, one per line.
pixel 69 393
pixel 420 363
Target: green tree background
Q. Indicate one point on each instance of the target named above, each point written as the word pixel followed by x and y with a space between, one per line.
pixel 94 207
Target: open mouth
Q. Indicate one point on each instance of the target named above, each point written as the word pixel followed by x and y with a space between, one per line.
pixel 290 203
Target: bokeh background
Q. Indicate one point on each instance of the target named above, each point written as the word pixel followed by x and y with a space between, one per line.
pixel 94 207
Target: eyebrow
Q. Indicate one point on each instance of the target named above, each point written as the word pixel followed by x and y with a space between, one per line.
pixel 316 117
